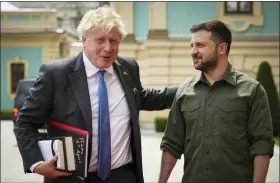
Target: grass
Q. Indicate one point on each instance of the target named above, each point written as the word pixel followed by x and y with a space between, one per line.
pixel 6 114
pixel 276 139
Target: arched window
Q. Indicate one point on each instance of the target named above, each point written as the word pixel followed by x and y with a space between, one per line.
pixel 238 7
pixel 240 15
pixel 17 70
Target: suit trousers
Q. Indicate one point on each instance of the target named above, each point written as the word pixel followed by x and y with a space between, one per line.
pixel 123 174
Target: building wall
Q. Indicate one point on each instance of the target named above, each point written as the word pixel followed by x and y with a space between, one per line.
pixel 182 15
pixel 35 49
pixel 253 41
pixel 141 19
pixel 31 37
pixel 167 62
pixel 33 57
pixel 270 20
pixel 28 20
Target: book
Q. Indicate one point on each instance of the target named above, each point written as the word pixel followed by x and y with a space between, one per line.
pixel 63 148
pixel 73 148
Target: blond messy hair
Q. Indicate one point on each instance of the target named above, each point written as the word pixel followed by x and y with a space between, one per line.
pixel 102 17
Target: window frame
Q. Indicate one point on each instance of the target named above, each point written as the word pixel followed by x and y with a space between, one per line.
pixel 254 20
pixel 238 11
pixel 16 60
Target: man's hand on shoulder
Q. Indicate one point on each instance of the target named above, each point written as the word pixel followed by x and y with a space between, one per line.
pixel 47 169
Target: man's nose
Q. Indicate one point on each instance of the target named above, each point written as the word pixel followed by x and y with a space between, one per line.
pixel 193 51
pixel 108 46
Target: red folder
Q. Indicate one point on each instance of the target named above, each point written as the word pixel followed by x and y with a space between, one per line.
pixel 69 128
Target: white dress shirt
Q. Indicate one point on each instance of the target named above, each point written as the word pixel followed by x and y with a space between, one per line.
pixel 119 117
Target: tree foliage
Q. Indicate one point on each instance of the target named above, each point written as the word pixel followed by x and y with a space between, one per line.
pixel 265 78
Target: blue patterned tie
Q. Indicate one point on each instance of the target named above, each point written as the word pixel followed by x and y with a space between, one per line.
pixel 104 137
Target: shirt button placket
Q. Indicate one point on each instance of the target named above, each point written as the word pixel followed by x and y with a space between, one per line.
pixel 209 120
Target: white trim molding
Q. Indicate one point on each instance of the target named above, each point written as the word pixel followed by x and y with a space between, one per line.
pixel 255 19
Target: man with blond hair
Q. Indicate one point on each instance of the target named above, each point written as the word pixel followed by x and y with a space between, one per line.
pixel 98 91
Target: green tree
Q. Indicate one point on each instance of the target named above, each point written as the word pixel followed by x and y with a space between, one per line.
pixel 265 78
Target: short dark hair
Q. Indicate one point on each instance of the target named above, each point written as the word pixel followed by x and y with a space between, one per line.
pixel 220 32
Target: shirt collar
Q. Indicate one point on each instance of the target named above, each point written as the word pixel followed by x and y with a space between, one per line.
pixel 91 69
pixel 228 76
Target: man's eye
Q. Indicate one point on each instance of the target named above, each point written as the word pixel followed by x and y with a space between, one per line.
pixel 100 40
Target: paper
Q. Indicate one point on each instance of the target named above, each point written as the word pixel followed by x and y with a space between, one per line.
pixel 47 151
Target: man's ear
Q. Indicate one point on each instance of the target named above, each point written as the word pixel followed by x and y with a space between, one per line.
pixel 84 39
pixel 223 48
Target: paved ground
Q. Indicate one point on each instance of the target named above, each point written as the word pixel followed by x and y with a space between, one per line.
pixel 12 170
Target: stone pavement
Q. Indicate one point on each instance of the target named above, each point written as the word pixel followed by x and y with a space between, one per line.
pixel 12 169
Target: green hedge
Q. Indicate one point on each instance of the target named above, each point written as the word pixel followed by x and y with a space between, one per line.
pixel 160 124
pixel 6 114
pixel 276 139
pixel 265 77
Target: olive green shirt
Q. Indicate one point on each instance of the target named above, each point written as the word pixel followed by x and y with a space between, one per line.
pixel 219 129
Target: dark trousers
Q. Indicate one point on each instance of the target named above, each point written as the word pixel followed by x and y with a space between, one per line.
pixel 123 174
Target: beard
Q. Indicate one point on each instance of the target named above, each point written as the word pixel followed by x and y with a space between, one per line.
pixel 206 64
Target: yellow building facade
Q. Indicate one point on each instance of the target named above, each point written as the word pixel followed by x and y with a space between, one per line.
pixel 29 38
pixel 158 38
pixel 164 59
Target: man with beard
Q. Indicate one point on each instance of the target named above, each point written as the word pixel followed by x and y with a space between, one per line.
pixel 220 119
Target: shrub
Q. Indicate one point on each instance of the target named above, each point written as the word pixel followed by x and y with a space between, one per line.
pixel 265 78
pixel 6 114
pixel 160 124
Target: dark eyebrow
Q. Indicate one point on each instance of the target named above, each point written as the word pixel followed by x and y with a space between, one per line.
pixel 198 43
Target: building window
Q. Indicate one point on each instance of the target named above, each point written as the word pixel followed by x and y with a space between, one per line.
pixel 238 7
pixel 59 22
pixel 17 73
pixel 17 70
pixel 36 18
pixel 240 15
pixel 18 18
pixel 62 49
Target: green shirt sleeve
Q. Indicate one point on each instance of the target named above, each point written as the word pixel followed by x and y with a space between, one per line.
pixel 260 124
pixel 174 135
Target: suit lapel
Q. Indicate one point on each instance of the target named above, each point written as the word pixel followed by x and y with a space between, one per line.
pixel 124 77
pixel 125 80
pixel 78 81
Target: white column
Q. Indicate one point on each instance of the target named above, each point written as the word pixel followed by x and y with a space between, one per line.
pixel 157 20
pixel 125 10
